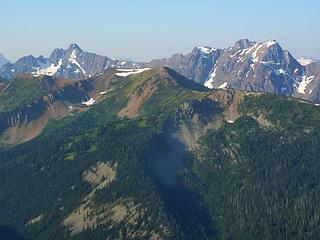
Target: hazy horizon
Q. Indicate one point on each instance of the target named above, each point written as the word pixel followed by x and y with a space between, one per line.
pixel 144 30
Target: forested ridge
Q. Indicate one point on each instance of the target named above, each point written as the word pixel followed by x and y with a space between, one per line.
pixel 253 178
pixel 262 182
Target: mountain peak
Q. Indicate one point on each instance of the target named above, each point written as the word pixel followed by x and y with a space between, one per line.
pixel 244 43
pixel 74 46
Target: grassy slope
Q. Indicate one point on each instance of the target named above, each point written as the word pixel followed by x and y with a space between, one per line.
pixel 19 92
pixel 49 165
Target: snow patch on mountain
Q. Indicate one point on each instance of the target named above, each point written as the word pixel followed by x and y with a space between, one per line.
pixel 224 85
pixel 50 71
pixel 127 72
pixel 205 50
pixel 89 102
pixel 73 60
pixel 275 70
pixel 246 51
pixel 270 43
pixel 254 56
pixel 209 83
pixel 306 80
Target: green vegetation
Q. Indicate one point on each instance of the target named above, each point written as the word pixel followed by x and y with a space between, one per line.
pixel 50 169
pixel 245 180
pixel 20 92
pixel 286 114
pixel 262 183
pixel 49 182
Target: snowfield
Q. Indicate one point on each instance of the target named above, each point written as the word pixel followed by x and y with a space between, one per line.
pixel 127 72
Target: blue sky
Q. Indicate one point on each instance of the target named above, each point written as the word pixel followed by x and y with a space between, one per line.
pixel 146 29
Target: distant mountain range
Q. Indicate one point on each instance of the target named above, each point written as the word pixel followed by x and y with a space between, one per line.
pixel 69 63
pixel 251 66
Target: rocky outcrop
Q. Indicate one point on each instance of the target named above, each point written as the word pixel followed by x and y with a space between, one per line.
pixel 185 126
pixel 18 131
pixel 193 119
pixel 141 95
pixel 196 65
pixel 28 121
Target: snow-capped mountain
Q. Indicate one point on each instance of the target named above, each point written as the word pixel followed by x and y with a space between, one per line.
pixel 309 86
pixel 252 66
pixel 3 60
pixel 196 65
pixel 71 63
pixel 256 67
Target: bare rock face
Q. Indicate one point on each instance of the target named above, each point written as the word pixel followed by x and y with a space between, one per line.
pixel 256 67
pixel 250 66
pixel 72 62
pixel 196 65
pixel 309 87
pixel 65 97
pixel 142 94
